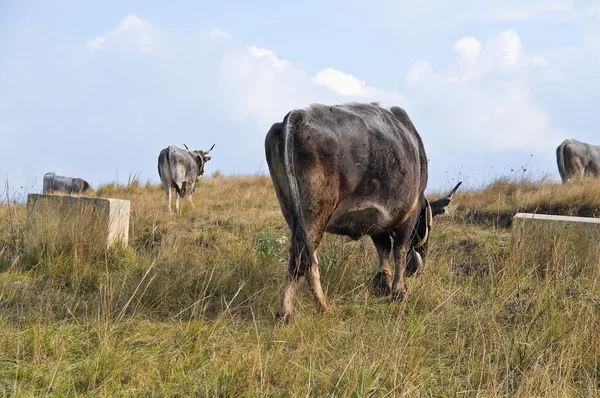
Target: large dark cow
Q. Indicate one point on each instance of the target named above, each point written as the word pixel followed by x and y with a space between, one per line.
pixel 577 159
pixel 180 169
pixel 352 169
pixel 56 183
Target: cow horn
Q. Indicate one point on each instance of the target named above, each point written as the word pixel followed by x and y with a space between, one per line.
pixel 454 190
pixel 439 206
pixel 211 148
pixel 186 147
pixel 428 219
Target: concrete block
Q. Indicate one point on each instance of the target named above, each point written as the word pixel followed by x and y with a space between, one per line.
pixel 63 220
pixel 556 243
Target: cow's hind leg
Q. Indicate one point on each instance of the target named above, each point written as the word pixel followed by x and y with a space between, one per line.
pixel 382 282
pixel 169 197
pixel 313 278
pixel 290 288
pixel 322 198
pixel 193 188
pixel 401 245
pixel 299 266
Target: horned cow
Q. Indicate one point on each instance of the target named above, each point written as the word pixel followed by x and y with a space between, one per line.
pixel 353 169
pixel 180 169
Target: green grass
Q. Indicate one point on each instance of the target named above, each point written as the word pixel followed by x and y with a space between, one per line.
pixel 188 308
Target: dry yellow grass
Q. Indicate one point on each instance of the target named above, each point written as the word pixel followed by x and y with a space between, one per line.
pixel 188 308
pixel 497 203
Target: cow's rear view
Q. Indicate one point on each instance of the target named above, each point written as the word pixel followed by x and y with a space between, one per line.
pixel 351 169
pixel 180 169
pixel 576 159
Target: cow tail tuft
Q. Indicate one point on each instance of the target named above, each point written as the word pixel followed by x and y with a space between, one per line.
pixel 301 251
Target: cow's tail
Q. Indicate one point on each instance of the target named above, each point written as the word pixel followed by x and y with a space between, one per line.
pixel 300 252
pixel 560 160
pixel 181 190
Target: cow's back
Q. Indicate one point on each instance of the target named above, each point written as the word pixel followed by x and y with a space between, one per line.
pixel 177 166
pixel 377 150
pixel 181 163
pixel 61 183
pixel 370 159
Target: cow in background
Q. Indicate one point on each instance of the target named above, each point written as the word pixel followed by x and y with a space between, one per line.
pixel 180 169
pixel 577 159
pixel 56 183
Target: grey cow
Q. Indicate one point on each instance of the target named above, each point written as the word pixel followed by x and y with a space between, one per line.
pixel 577 159
pixel 57 183
pixel 352 169
pixel 180 169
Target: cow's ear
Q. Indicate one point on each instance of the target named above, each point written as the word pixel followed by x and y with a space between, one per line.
pixel 207 158
pixel 439 206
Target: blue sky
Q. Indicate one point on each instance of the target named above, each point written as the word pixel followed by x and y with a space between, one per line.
pixel 97 89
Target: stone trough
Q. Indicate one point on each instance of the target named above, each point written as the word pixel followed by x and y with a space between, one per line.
pixel 72 220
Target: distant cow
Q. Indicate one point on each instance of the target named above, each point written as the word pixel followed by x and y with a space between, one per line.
pixel 180 169
pixel 352 169
pixel 57 183
pixel 577 159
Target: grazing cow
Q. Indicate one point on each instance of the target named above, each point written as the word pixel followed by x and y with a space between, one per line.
pixel 352 169
pixel 181 169
pixel 577 159
pixel 57 183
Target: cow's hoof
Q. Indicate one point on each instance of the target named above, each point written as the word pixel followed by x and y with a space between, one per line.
pixel 323 308
pixel 382 284
pixel 284 318
pixel 399 295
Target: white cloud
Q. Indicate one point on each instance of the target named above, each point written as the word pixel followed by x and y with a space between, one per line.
pixel 505 48
pixel 257 84
pixel 502 53
pixel 141 32
pixel 340 82
pixel 484 100
pixel 270 55
pixel 219 33
pixel 468 48
pixel 421 71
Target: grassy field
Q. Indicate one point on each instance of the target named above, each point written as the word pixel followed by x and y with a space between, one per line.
pixel 188 309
